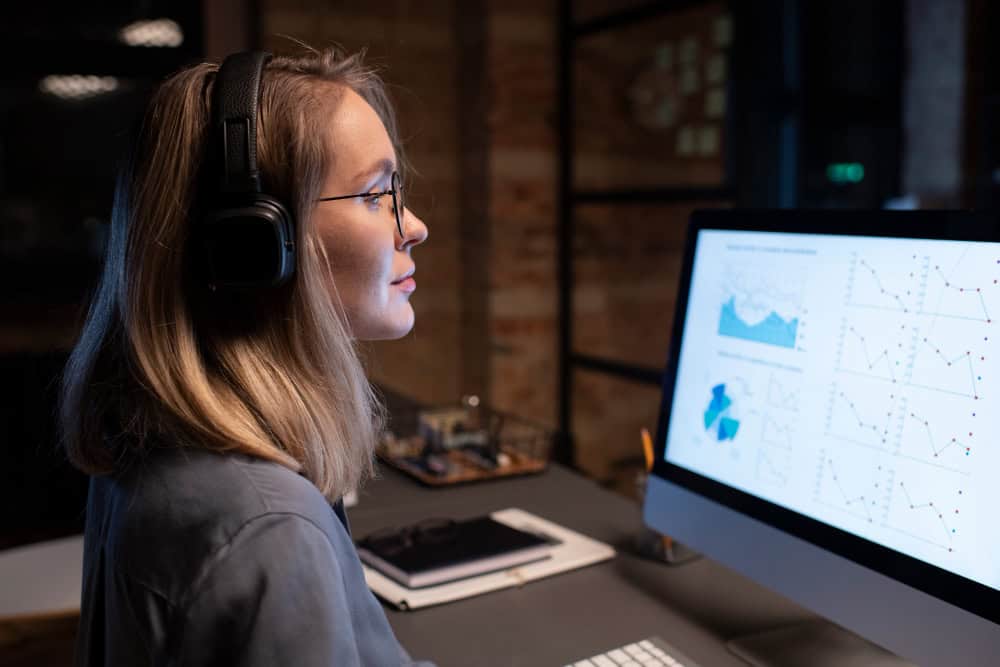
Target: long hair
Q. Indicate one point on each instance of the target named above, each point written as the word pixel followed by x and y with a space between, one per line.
pixel 274 375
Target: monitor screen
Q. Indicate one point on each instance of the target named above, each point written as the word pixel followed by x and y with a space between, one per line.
pixel 826 425
pixel 849 379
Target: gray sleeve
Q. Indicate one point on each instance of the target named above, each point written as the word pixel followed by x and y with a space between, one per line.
pixel 275 595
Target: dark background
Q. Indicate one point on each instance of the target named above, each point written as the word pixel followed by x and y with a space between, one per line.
pixel 499 102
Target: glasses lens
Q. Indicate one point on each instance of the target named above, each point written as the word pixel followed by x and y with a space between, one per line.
pixel 397 201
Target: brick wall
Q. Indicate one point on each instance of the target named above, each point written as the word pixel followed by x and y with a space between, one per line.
pixel 521 57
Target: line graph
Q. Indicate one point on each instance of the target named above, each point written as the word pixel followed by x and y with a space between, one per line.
pixel 929 521
pixel 868 286
pixel 941 433
pixel 901 355
pixel 770 472
pixel 779 396
pixel 971 293
pixel 873 351
pixel 890 296
pixel 776 434
pixel 918 284
pixel 945 370
pixel 929 505
pixel 868 424
pixel 948 445
pixel 873 360
pixel 864 495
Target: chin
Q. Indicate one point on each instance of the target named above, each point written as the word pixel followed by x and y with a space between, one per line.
pixel 388 328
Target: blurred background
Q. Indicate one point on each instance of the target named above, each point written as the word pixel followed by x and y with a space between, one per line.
pixel 560 146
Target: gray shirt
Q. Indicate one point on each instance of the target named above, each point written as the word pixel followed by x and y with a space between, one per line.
pixel 196 558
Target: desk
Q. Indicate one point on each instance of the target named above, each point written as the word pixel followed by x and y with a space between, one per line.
pixel 695 606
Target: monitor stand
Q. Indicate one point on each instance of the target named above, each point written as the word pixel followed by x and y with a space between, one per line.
pixel 814 643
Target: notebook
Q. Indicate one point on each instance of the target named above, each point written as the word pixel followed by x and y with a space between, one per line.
pixel 417 556
pixel 570 550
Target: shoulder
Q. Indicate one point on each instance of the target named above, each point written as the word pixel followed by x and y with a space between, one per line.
pixel 170 514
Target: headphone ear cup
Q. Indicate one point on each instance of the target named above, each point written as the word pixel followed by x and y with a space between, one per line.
pixel 247 247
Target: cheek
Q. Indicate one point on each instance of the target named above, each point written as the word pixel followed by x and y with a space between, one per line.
pixel 361 263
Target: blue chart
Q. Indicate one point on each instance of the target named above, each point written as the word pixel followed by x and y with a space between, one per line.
pixel 761 302
pixel 772 330
pixel 717 415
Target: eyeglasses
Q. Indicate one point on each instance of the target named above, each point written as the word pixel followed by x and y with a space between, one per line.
pixel 396 192
pixel 390 541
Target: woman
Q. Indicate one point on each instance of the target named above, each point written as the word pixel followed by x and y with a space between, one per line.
pixel 221 426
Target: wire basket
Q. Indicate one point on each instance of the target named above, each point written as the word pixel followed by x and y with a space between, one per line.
pixel 463 443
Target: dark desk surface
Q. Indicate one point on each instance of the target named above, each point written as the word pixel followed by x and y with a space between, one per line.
pixel 695 606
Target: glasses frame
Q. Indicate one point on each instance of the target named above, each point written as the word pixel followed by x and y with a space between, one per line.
pixel 396 190
pixel 395 540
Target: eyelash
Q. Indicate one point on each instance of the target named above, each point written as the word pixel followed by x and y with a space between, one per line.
pixel 374 201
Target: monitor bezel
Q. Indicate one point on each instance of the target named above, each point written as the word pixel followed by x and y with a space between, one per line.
pixel 955 589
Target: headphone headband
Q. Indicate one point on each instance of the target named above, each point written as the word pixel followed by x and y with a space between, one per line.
pixel 236 97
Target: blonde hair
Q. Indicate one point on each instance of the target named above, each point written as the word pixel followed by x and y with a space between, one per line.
pixel 274 375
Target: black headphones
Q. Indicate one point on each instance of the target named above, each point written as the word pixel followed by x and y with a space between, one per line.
pixel 245 239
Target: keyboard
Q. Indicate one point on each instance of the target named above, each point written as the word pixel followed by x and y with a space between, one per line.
pixel 650 652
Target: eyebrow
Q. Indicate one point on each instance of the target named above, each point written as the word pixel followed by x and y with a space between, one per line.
pixel 382 168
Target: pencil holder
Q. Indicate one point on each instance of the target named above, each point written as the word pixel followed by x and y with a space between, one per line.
pixel 656 546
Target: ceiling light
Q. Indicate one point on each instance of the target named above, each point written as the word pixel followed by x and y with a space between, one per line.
pixel 77 86
pixel 158 32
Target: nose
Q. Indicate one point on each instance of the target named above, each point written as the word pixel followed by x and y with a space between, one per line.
pixel 414 229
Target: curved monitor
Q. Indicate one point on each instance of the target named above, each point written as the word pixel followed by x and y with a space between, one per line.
pixel 829 424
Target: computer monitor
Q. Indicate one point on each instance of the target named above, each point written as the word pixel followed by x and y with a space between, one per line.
pixel 829 424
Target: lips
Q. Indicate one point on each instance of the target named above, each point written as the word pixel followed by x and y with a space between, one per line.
pixel 405 276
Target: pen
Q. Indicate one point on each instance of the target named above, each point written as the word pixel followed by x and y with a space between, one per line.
pixel 647 448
